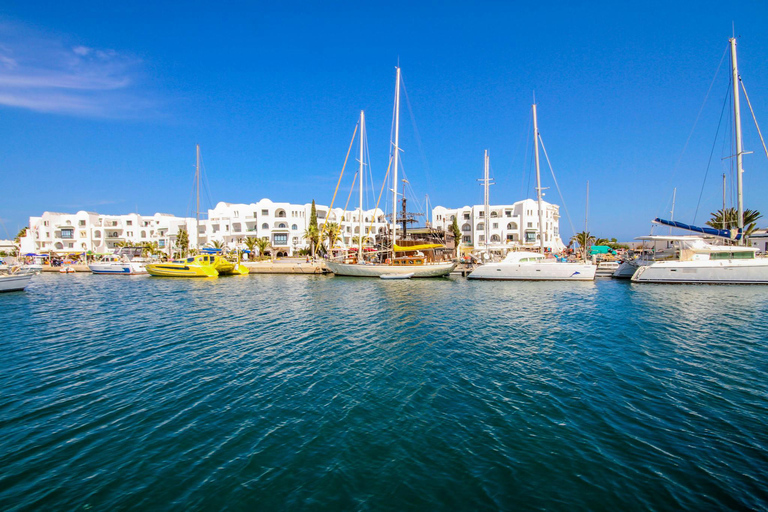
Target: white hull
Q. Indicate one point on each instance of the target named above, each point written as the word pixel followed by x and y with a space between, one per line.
pixel 354 270
pixel 754 271
pixel 14 282
pixel 626 270
pixel 535 271
pixel 606 269
pixel 128 268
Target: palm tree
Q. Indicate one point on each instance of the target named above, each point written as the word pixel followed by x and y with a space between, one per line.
pixel 150 248
pixel 359 240
pixel 728 219
pixel 217 244
pixel 334 230
pixel 313 237
pixel 263 245
pixel 251 243
pixel 584 240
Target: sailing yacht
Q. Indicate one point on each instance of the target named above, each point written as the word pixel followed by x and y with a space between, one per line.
pixel 700 261
pixel 532 266
pixel 405 259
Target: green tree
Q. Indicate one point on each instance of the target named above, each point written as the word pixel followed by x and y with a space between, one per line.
pixel 182 241
pixel 313 230
pixel 263 245
pixel 729 219
pixel 218 244
pixel 584 240
pixel 456 234
pixel 333 230
pixel 21 234
pixel 251 243
pixel 150 248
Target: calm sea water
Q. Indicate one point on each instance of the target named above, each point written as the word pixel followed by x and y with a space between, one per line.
pixel 324 393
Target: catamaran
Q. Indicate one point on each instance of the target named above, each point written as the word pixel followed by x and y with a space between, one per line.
pixel 532 266
pixel 700 261
pixel 404 259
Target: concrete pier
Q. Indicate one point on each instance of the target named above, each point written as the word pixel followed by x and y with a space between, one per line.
pixel 285 266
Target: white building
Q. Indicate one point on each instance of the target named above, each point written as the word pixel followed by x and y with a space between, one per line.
pixel 514 226
pixel 83 231
pixel 283 224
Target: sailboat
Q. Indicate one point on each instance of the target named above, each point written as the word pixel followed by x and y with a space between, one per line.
pixel 534 266
pixel 203 265
pixel 405 259
pixel 700 261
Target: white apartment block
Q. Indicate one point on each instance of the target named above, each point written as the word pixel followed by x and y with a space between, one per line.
pixel 283 224
pixel 514 226
pixel 83 231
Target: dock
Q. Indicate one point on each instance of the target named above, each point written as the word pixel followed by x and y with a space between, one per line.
pixel 285 266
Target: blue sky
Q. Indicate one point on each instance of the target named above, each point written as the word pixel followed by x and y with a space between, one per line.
pixel 102 103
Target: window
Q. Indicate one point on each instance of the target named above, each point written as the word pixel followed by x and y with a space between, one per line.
pixel 280 213
pixel 265 212
pixel 467 239
pixel 530 236
pixel 466 227
pixel 512 225
pixel 81 223
pixel 508 213
pixel 96 234
pixel 294 227
pixel 45 223
pixel 129 223
pixel 480 226
pixel 530 224
pixel 466 216
pixel 282 225
pixel 280 239
pixel 71 245
pixel 67 233
pixel 265 226
pixel 494 214
pixel 495 225
pixel 482 214
pixel 143 234
pixel 495 238
pixel 161 243
pixel 295 240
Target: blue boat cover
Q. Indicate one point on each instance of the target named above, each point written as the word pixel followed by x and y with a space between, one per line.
pixel 722 233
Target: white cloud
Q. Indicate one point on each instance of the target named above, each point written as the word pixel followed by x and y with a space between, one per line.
pixel 45 74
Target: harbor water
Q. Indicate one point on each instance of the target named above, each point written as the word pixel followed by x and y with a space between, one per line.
pixel 325 393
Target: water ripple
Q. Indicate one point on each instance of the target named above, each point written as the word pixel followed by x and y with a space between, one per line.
pixel 309 392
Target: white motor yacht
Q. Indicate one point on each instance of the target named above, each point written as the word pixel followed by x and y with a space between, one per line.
pixel 531 266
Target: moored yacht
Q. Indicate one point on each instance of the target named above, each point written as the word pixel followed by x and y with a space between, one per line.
pixel 705 263
pixel 532 266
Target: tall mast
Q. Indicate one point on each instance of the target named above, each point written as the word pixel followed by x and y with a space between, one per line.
pixel 724 220
pixel 538 180
pixel 486 199
pixel 397 150
pixel 672 213
pixel 360 240
pixel 737 124
pixel 197 194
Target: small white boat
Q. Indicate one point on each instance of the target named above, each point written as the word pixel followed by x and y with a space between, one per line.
pixel 15 281
pixel 67 270
pixel 396 276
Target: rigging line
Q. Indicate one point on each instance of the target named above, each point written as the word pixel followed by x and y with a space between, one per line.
pixel 556 185
pixel 418 137
pixel 325 221
pixel 753 115
pixel 698 116
pixel 351 189
pixel 206 183
pixel 711 153
pixel 383 185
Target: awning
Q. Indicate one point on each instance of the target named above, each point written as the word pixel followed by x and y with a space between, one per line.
pixel 422 247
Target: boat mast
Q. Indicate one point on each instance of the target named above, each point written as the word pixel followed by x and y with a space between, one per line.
pixel 538 179
pixel 397 150
pixel 197 194
pixel 486 199
pixel 360 240
pixel 737 125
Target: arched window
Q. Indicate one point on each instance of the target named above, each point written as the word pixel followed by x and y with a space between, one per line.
pixel 466 228
pixel 494 214
pixel 495 238
pixel 453 218
pixel 357 230
pixel 366 219
pixel 97 234
pixel 512 225
pixel 294 227
pixel 265 226
pixel 480 226
pixel 143 234
pixel 280 213
pixel 282 225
